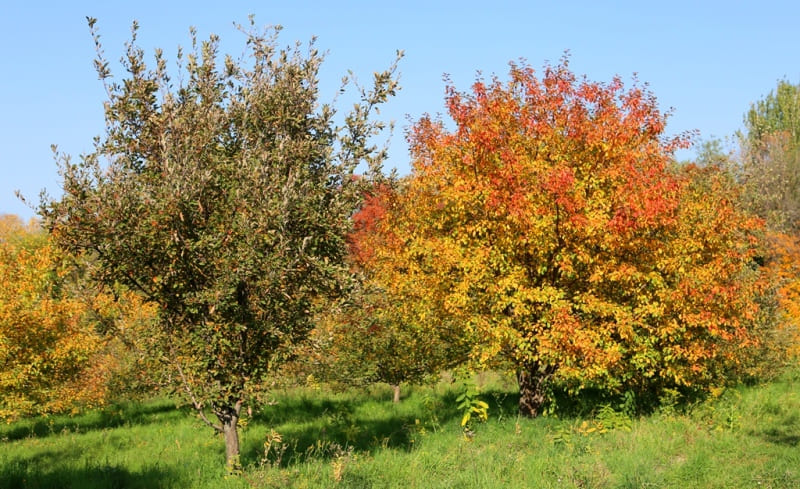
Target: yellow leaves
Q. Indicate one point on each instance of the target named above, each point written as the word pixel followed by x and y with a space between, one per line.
pixel 567 240
pixel 479 409
pixel 49 345
pixel 785 271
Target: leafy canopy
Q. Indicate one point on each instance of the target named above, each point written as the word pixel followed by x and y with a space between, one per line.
pixel 380 332
pixel 769 160
pixel 224 197
pixel 553 227
pixel 51 356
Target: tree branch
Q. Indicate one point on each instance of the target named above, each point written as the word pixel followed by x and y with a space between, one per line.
pixel 195 403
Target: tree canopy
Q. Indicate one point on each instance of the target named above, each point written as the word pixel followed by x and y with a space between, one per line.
pixel 380 332
pixel 51 355
pixel 551 224
pixel 222 195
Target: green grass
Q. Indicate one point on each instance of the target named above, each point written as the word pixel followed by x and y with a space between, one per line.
pixel 359 439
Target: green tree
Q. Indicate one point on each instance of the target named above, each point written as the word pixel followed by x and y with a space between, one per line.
pixel 712 152
pixel 769 163
pixel 769 167
pixel 778 112
pixel 224 197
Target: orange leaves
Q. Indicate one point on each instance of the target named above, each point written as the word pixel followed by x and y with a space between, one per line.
pixel 48 346
pixel 365 223
pixel 552 225
pixel 785 268
pixel 61 347
pixel 559 183
pixel 711 318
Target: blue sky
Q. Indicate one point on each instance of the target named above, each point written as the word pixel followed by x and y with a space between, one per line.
pixel 706 60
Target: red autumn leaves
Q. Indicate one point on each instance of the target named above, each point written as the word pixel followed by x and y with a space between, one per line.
pixel 554 227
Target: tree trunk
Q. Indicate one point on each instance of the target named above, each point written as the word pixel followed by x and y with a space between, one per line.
pixel 533 380
pixel 229 418
pixel 396 393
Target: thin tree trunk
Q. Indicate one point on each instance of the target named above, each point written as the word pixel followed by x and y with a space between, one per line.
pixel 533 381
pixel 229 418
pixel 396 393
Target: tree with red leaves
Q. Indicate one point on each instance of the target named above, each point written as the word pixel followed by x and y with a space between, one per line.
pixel 553 227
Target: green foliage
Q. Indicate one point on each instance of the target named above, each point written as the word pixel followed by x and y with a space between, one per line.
pixel 608 419
pixel 223 196
pixel 778 112
pixel 471 407
pixel 364 339
pixel 770 158
pixel 572 435
pixel 712 152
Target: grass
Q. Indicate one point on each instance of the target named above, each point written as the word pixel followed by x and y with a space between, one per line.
pixel 317 439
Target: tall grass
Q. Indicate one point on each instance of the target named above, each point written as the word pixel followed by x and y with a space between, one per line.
pixel 358 439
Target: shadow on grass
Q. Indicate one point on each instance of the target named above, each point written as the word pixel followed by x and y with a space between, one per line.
pixel 324 428
pixel 24 474
pixel 781 437
pixel 585 404
pixel 787 432
pixel 502 404
pixel 299 409
pixel 113 416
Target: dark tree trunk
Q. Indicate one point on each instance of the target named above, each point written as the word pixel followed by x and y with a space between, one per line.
pixel 229 418
pixel 533 380
pixel 396 393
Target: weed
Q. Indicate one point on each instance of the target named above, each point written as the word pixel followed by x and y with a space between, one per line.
pixel 562 436
pixel 500 401
pixel 573 436
pixel 341 459
pixel 471 407
pixel 432 404
pixel 343 423
pixel 608 419
pixel 274 449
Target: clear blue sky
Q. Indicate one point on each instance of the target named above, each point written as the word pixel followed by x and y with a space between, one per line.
pixel 706 60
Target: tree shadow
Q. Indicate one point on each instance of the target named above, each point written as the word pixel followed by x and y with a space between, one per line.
pixel 300 445
pixel 325 428
pixel 502 404
pixel 23 474
pixel 298 409
pixel 568 405
pixel 786 433
pixel 112 416
pixel 781 437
